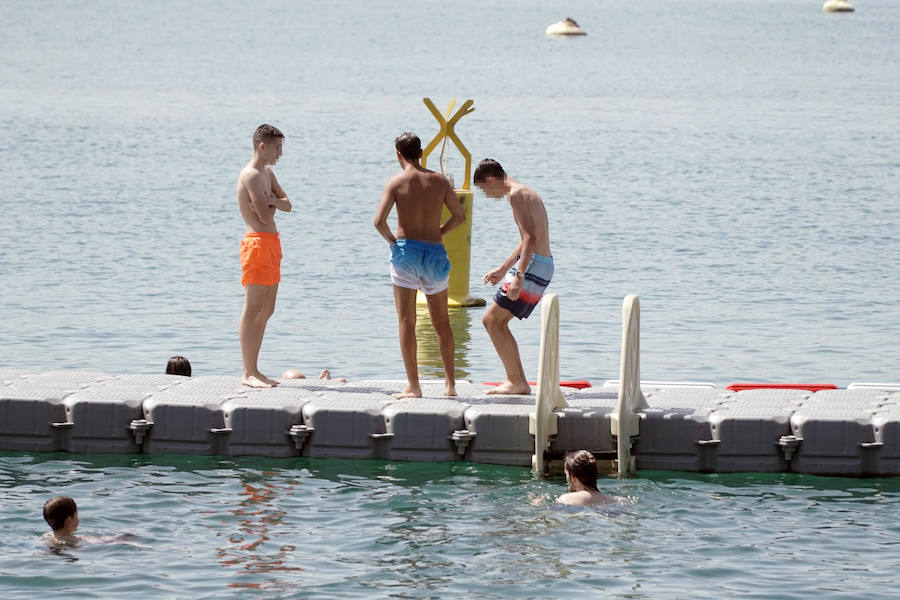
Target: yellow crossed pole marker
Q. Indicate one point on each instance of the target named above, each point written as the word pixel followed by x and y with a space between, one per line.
pixel 459 241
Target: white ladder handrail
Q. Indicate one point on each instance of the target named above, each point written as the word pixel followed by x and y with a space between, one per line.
pixel 542 422
pixel 624 422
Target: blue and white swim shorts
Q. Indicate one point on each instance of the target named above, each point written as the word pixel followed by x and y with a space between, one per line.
pixel 420 266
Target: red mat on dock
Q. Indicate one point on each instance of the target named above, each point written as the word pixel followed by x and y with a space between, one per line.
pixel 812 387
pixel 577 383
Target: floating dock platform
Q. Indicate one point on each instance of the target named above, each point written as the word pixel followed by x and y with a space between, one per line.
pixel 687 427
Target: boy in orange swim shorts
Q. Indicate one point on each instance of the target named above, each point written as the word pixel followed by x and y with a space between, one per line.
pixel 259 196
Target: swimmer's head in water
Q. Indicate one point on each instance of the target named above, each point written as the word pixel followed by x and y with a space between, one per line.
pixel 178 365
pixel 409 146
pixel 582 466
pixel 57 510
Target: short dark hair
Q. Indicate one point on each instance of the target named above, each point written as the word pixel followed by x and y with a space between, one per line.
pixel 583 466
pixel 57 510
pixel 488 168
pixel 178 365
pixel 266 133
pixel 409 146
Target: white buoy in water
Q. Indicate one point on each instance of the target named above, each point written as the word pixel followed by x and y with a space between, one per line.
pixel 837 6
pixel 566 27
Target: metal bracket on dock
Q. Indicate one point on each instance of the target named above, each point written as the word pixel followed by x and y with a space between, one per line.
pixel 139 428
pixel 381 436
pixel 788 444
pixel 62 425
pixel 220 430
pixel 462 437
pixel 300 433
pixel 869 445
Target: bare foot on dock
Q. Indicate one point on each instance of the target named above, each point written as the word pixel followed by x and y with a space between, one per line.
pixel 325 375
pixel 256 381
pixel 510 389
pixel 449 389
pixel 410 392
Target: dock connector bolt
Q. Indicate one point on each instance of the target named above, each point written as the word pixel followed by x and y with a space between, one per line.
pixel 139 428
pixel 300 433
pixel 462 437
pixel 788 444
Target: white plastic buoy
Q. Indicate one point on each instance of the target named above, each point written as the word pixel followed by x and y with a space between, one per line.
pixel 837 6
pixel 565 28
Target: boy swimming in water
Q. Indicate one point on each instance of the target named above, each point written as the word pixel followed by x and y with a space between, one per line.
pixel 418 257
pixel 524 275
pixel 61 515
pixel 259 196
pixel 581 475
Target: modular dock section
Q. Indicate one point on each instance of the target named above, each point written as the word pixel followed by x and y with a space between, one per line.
pixel 854 432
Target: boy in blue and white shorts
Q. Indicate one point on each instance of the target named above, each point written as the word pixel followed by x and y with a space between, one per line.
pixel 525 274
pixel 418 258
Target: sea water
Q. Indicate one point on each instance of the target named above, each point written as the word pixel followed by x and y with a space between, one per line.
pixel 205 527
pixel 733 163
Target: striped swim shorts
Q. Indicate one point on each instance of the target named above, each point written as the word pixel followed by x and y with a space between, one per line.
pixel 537 278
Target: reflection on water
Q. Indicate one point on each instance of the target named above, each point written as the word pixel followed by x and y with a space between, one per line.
pixel 258 514
pixel 428 351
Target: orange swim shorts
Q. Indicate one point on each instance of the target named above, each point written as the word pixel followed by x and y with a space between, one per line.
pixel 260 259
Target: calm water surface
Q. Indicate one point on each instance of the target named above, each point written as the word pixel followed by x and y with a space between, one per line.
pixel 206 527
pixel 734 163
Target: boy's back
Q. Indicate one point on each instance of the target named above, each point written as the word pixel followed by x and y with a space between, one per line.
pixel 419 195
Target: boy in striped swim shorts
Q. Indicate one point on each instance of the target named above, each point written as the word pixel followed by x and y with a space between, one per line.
pixel 523 276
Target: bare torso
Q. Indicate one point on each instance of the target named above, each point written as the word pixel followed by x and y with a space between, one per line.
pixel 264 181
pixel 419 195
pixel 531 217
pixel 584 498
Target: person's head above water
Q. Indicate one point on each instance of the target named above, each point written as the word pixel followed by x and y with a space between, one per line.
pixel 61 514
pixel 581 466
pixel 178 365
pixel 409 146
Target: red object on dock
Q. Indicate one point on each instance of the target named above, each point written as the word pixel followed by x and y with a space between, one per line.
pixel 812 387
pixel 575 383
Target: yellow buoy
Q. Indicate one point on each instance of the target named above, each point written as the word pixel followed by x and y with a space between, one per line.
pixel 459 241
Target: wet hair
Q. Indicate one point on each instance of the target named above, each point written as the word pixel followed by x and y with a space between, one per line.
pixel 409 146
pixel 266 133
pixel 488 168
pixel 57 510
pixel 178 365
pixel 583 466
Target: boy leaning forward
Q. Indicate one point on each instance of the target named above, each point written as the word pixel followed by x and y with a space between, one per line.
pixel 523 276
pixel 259 196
